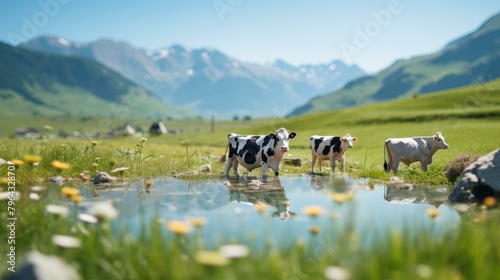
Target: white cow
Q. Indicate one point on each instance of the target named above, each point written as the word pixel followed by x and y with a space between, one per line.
pixel 409 150
pixel 331 148
pixel 254 151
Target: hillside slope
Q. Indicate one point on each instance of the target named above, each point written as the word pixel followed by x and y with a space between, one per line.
pixel 473 58
pixel 33 83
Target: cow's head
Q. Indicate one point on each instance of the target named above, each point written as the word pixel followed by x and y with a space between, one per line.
pixel 347 141
pixel 282 137
pixel 439 140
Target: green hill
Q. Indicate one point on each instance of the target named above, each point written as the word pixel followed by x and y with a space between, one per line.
pixel 474 58
pixel 35 84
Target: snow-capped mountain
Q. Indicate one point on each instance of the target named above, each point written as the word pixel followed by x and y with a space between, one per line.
pixel 207 79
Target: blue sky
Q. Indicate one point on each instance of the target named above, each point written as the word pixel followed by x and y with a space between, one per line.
pixel 372 34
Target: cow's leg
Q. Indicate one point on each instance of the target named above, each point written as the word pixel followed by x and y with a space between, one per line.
pixel 423 164
pixel 236 166
pixel 313 159
pixel 228 166
pixel 332 163
pixel 265 170
pixel 342 166
pixel 320 164
pixel 394 165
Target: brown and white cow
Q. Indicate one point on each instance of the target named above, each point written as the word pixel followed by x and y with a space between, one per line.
pixel 254 151
pixel 409 150
pixel 331 148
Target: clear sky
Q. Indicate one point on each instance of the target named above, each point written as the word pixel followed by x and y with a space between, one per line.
pixel 370 33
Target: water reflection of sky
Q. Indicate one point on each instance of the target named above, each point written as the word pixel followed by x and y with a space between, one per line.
pixel 232 216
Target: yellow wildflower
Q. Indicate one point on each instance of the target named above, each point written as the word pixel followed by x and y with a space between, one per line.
pixel 260 207
pixel 210 258
pixel 197 221
pixel 32 159
pixel 59 165
pixel 77 198
pixel 17 162
pixel 314 230
pixel 70 192
pixel 179 227
pixel 433 213
pixel 313 210
pixel 148 183
pixel 490 201
pixel 94 143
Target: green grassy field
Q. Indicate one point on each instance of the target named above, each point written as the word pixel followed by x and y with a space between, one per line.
pixel 469 118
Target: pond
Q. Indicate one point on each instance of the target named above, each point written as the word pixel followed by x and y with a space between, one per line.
pixel 229 207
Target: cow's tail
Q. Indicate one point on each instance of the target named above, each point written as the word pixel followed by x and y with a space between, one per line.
pixel 223 157
pixel 385 157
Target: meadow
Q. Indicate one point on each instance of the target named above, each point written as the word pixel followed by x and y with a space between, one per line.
pixel 469 119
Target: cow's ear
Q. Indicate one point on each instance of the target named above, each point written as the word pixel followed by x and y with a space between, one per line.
pixel 354 139
pixel 292 135
pixel 342 139
pixel 436 138
pixel 272 135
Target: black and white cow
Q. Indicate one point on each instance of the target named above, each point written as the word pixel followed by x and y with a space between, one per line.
pixel 332 148
pixel 409 150
pixel 254 151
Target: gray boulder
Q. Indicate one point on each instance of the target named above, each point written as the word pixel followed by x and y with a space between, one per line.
pixel 103 177
pixel 479 180
pixel 37 266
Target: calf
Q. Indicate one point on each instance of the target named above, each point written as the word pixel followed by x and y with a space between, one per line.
pixel 254 151
pixel 409 150
pixel 331 148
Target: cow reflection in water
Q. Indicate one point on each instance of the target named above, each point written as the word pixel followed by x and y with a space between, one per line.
pixel 406 194
pixel 270 193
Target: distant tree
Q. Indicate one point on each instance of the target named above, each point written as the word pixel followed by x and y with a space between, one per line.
pixel 247 118
pixel 236 118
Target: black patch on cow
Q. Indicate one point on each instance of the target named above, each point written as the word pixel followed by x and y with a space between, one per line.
pixel 317 142
pixel 270 152
pixel 335 144
pixel 250 151
pixel 266 141
pixel 264 157
pixel 233 151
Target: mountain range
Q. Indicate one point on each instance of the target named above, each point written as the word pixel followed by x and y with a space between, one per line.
pixel 206 79
pixel 33 83
pixel 473 58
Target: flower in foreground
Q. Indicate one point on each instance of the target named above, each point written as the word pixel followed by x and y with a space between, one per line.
pixel 433 213
pixel 87 218
pixel 490 201
pixel 94 143
pixel 148 183
pixel 313 210
pixel 32 159
pixel 197 221
pixel 234 251
pixel 59 165
pixel 260 207
pixel 314 230
pixel 341 197
pixel 57 210
pixel 179 227
pixel 70 192
pixel 337 273
pixel 65 241
pixel 77 199
pixel 17 162
pixel 210 258
pixel 104 211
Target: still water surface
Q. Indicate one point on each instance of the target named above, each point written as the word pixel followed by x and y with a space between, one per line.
pixel 232 216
